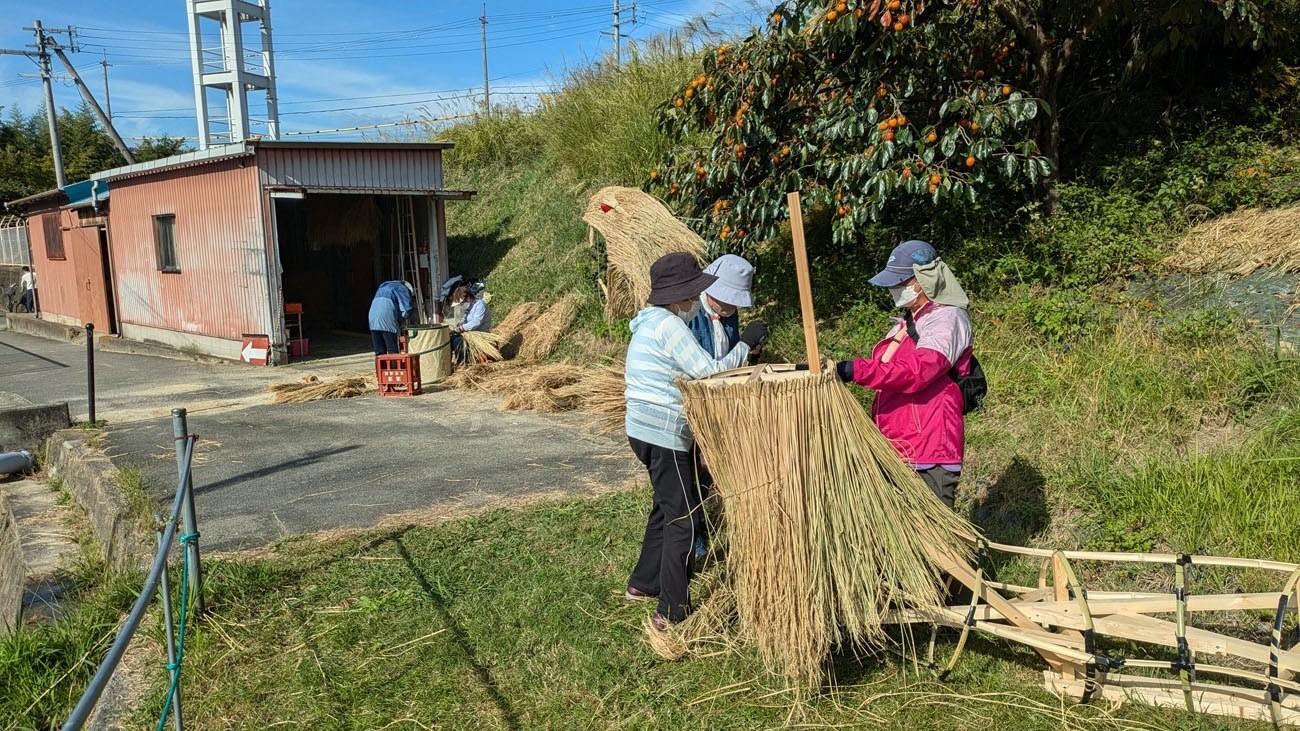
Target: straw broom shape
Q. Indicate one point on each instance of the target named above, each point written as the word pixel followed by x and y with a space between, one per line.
pixel 827 528
pixel 638 229
pixel 542 334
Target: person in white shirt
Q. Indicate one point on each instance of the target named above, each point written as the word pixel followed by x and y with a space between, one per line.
pixel 28 286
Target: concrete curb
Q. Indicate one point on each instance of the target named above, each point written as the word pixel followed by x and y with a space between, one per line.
pixel 116 344
pixel 29 325
pixel 13 570
pixel 25 427
pixel 91 479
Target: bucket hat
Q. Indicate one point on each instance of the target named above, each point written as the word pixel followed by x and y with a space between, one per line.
pixel 899 267
pixel 735 276
pixel 676 277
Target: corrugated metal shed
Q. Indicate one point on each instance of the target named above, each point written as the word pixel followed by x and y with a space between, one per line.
pixel 221 290
pixel 414 170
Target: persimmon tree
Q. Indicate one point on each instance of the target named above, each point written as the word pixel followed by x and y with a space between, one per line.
pixel 864 103
pixel 856 104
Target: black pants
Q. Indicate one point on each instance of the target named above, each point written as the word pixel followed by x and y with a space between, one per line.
pixel 667 559
pixel 385 343
pixel 458 348
pixel 29 300
pixel 942 483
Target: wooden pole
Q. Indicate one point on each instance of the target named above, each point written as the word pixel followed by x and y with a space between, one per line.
pixel 805 283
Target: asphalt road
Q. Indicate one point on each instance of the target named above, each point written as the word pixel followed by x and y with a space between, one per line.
pixel 266 471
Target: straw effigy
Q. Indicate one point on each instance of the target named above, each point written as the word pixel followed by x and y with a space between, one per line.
pixel 1241 242
pixel 482 347
pixel 827 529
pixel 311 388
pixel 541 335
pixel 638 229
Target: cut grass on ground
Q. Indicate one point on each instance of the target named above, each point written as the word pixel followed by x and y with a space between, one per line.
pixel 515 619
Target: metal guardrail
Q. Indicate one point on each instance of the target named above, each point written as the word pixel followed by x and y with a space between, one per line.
pixel 191 574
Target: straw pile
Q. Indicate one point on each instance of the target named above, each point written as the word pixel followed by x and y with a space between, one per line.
pixel 536 387
pixel 518 318
pixel 311 388
pixel 827 528
pixel 599 393
pixel 1241 242
pixel 638 229
pixel 541 335
pixel 482 347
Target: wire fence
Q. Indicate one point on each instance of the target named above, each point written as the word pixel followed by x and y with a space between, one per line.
pixel 13 242
pixel 181 518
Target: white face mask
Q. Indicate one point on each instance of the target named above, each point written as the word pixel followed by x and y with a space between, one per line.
pixel 690 314
pixel 903 296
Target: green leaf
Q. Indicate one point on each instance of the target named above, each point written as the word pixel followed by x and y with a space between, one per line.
pixel 1009 165
pixel 948 145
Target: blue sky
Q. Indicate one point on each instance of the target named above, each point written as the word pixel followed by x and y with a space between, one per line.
pixel 339 63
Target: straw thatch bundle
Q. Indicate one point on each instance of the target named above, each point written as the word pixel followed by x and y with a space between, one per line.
pixel 1241 242
pixel 482 347
pixel 638 229
pixel 519 317
pixel 535 387
pixel 710 628
pixel 541 335
pixel 599 393
pixel 827 528
pixel 311 388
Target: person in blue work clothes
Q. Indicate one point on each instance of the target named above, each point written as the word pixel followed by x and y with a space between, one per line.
pixel 477 318
pixel 717 329
pixel 391 306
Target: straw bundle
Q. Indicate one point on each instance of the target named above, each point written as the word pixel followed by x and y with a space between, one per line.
pixel 709 630
pixel 827 528
pixel 518 318
pixel 482 347
pixel 541 335
pixel 1241 242
pixel 600 393
pixel 311 388
pixel 638 229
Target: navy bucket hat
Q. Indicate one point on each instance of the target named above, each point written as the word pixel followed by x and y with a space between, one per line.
pixel 899 267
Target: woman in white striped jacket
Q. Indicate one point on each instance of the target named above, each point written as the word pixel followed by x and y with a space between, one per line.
pixel 661 351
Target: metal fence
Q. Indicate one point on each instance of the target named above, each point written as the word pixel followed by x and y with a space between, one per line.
pixel 191 588
pixel 14 248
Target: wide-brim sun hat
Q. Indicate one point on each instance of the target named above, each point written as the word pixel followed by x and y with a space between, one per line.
pixel 735 277
pixel 677 277
pixel 901 260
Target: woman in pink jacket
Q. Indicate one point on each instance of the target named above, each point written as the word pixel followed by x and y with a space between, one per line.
pixel 918 404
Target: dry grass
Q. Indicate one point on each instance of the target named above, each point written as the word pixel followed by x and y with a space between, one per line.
pixel 638 229
pixel 541 335
pixel 599 393
pixel 514 322
pixel 709 630
pixel 311 388
pixel 1241 242
pixel 827 528
pixel 482 347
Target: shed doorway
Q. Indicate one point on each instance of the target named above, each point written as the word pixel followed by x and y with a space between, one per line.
pixel 335 250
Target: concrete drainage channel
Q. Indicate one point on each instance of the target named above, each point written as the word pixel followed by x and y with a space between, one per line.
pixel 38 530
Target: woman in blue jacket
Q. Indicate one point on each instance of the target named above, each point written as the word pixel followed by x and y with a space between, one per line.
pixel 391 306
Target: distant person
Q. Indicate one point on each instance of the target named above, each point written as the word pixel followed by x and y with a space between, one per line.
pixel 477 317
pixel 390 308
pixel 661 351
pixel 915 370
pixel 28 286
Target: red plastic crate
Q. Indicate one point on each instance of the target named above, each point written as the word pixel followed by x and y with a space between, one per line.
pixel 398 374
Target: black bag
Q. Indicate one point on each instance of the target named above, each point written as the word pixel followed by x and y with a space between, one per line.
pixel 973 386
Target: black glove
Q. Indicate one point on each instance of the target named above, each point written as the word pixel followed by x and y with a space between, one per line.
pixel 801 366
pixel 845 370
pixel 755 334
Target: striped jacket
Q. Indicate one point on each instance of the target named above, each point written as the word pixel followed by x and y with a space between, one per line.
pixel 663 350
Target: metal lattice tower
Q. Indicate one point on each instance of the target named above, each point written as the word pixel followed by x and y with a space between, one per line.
pixel 229 68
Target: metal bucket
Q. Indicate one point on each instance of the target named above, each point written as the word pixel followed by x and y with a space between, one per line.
pixel 433 344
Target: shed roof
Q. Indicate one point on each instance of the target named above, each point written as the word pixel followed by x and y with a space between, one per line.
pixel 249 147
pixel 45 200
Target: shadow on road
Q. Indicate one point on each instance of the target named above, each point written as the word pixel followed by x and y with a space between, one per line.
pixel 307 459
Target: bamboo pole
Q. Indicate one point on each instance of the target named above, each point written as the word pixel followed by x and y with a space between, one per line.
pixel 805 283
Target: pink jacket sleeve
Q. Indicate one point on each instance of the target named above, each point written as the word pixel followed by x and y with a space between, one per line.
pixel 910 370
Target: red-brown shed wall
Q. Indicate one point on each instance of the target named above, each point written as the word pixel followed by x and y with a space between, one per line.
pixel 70 289
pixel 221 290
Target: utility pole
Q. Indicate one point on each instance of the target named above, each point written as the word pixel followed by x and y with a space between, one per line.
pixel 618 36
pixel 51 117
pixel 487 94
pixel 94 106
pixel 108 100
